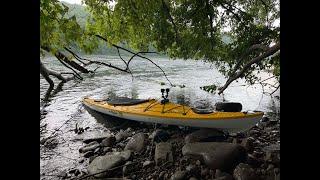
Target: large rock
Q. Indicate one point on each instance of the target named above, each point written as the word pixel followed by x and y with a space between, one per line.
pixel 244 172
pixel 216 155
pixel 97 136
pixel 205 135
pixel 108 161
pixel 163 153
pixel 136 143
pixel 89 147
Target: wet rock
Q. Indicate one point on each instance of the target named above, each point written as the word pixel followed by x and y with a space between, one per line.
pixel 51 143
pixel 247 143
pixel 91 158
pixel 147 163
pixel 244 172
pixel 88 154
pixel 123 134
pixel 95 137
pixel 89 147
pixel 272 157
pixel 178 175
pixel 204 172
pixel 108 161
pixel 163 153
pixel 106 149
pixel 198 162
pixel 136 143
pixel 159 135
pixel 191 168
pixel 193 178
pixel 108 142
pixel 216 155
pixel 63 175
pixel 219 175
pixel 128 168
pixel 265 119
pixel 254 132
pixel 81 161
pixel 161 174
pixel 124 154
pixel 205 135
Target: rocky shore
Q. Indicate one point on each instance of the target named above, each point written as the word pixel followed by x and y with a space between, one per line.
pixel 141 151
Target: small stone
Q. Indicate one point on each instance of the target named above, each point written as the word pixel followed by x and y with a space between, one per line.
pixel 161 174
pixel 272 157
pixel 270 167
pixel 163 153
pixel 81 160
pixel 235 141
pixel 178 175
pixel 108 142
pixel 88 154
pixel 89 147
pixel 219 175
pixel 193 178
pixel 128 167
pixel 191 168
pixel 204 172
pixel 136 143
pixel 264 119
pixel 244 172
pixel 63 175
pixel 147 163
pixel 247 143
pixel 122 135
pixel 198 162
pixel 106 149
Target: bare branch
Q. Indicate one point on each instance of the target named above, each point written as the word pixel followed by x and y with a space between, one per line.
pixel 136 54
pixel 268 53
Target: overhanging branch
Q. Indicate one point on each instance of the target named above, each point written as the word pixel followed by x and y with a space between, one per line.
pixel 268 53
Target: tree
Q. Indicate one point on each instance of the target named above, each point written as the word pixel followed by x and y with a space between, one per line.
pixel 197 29
pixel 60 33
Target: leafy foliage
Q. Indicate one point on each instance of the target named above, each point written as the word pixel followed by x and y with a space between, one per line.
pixel 194 29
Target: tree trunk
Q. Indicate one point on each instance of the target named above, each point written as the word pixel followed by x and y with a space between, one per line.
pixel 266 54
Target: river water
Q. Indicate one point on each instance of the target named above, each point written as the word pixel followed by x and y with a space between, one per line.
pixel 64 111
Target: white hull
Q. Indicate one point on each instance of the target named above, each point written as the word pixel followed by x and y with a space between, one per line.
pixel 231 125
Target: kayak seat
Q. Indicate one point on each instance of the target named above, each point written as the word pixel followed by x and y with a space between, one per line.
pixel 124 101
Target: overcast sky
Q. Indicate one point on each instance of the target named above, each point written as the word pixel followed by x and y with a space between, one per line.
pixel 72 1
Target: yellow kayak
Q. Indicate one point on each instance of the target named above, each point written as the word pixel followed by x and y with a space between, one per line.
pixel 153 111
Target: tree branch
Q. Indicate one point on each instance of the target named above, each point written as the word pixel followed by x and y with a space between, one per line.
pixel 136 54
pixel 268 53
pixel 164 5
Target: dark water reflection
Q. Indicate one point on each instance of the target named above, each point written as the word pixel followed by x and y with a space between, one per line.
pixel 146 84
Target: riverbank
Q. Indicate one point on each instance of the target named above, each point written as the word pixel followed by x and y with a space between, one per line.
pixel 141 151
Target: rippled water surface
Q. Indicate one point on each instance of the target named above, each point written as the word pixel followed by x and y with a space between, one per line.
pixel 145 84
